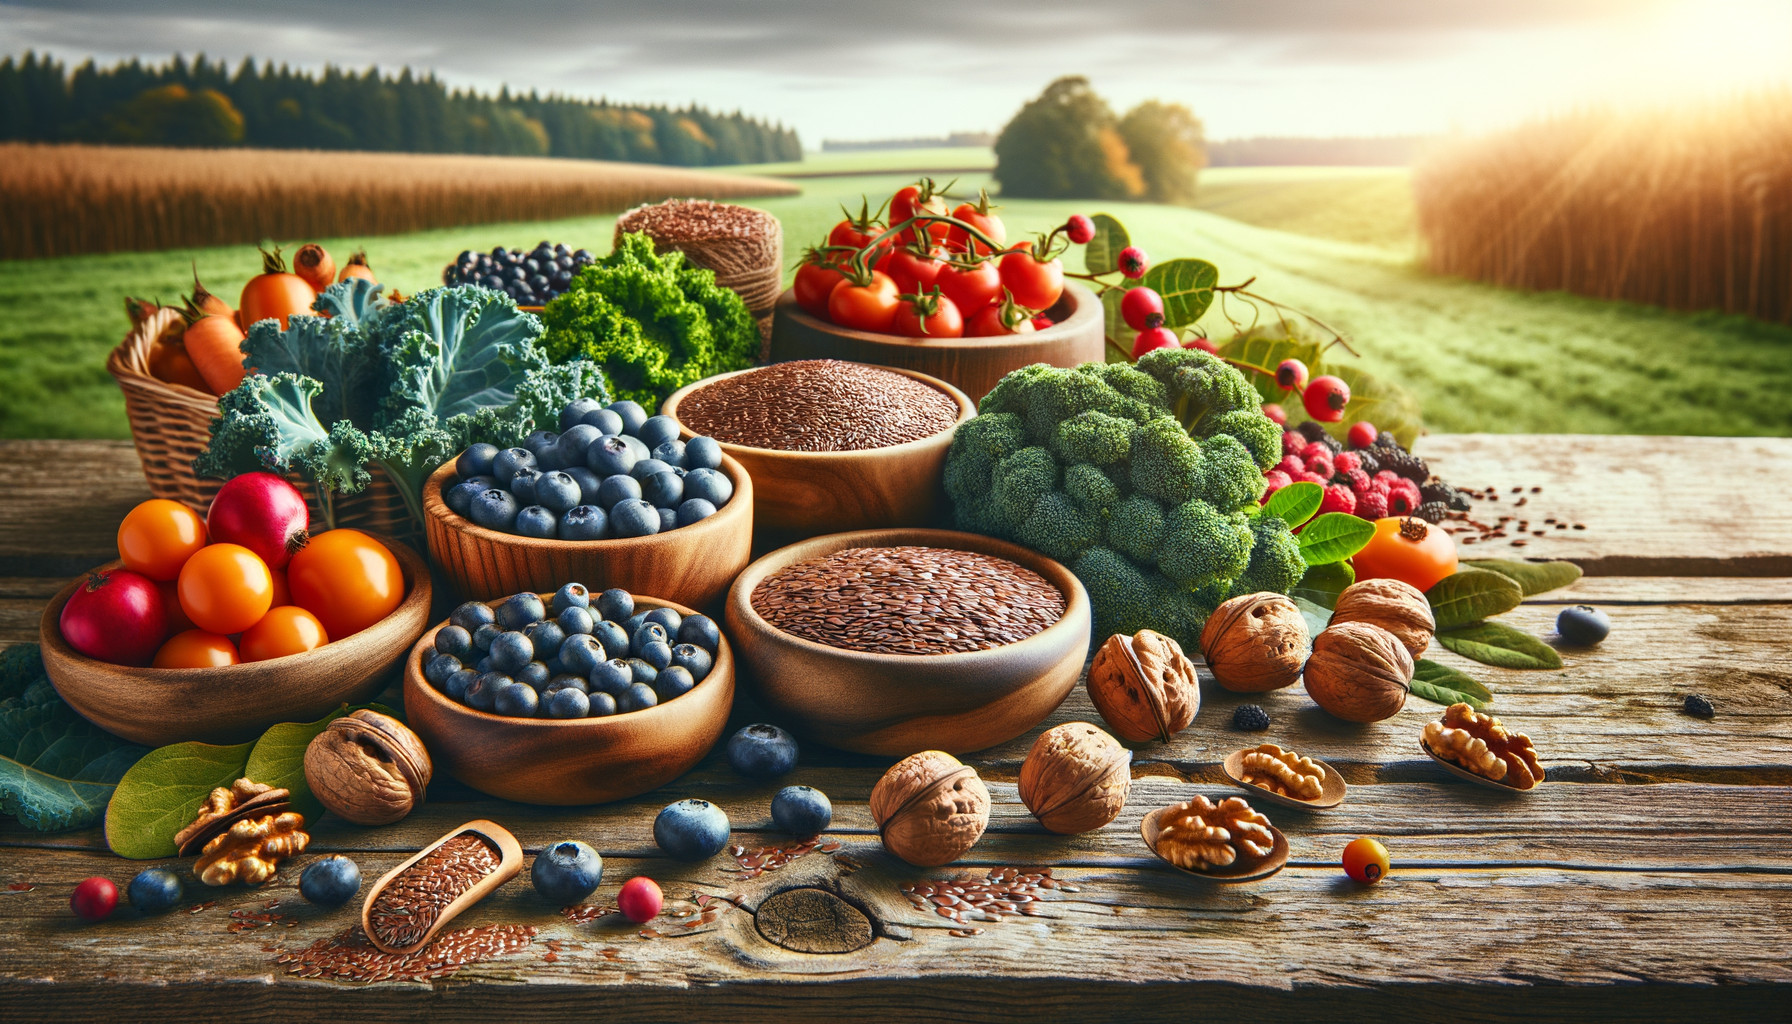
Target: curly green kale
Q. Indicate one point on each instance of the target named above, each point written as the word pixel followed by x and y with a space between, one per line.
pixel 1143 479
pixel 651 322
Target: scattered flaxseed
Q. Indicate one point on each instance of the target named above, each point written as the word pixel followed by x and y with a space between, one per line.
pixel 351 957
pixel 1003 893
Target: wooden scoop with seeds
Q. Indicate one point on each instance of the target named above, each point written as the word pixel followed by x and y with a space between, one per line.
pixel 412 902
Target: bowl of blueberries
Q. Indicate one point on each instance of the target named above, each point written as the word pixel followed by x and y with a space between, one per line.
pixel 570 697
pixel 531 278
pixel 614 494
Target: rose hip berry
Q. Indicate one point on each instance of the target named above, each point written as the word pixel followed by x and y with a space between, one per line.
pixel 640 900
pixel 1291 375
pixel 1362 434
pixel 1325 399
pixel 94 899
pixel 1276 413
pixel 1142 308
pixel 1079 229
pixel 1133 262
pixel 1204 344
pixel 1153 339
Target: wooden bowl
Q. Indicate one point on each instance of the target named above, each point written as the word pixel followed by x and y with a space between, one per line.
pixel 808 493
pixel 1331 794
pixel 972 365
pixel 895 705
pixel 563 762
pixel 1277 859
pixel 234 703
pixel 692 565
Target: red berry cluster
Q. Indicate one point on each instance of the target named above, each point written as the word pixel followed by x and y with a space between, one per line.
pixel 1354 481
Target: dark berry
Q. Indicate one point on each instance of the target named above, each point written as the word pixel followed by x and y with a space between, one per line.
pixel 1433 512
pixel 711 485
pixel 517 700
pixel 648 467
pixel 557 492
pixel 802 810
pixel 613 677
pixel 602 705
pixel 485 635
pixel 614 490
pixel 511 651
pixel 615 605
pixel 567 872
pixel 494 509
pixel 611 456
pixel 575 413
pixel 638 697
pixel 646 633
pixel 691 830
pixel 510 462
pixel 482 692
pixel 668 519
pixel 459 498
pixel 657 430
pixel 438 668
pixel 700 630
pixel 567 702
pixel 612 637
pixel 693 659
pixel 455 640
pixel 330 882
pixel 607 423
pixel 585 522
pixel 471 615
pixel 657 653
pixel 575 622
pixel 518 610
pixel 673 681
pixel 1699 706
pixel 1583 625
pixel 155 890
pixel 456 686
pixel 476 460
pixel 694 510
pixel 702 453
pixel 535 675
pixel 635 518
pixel 664 490
pixel 1250 718
pixel 762 751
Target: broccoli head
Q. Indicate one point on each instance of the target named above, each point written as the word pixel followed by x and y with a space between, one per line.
pixel 1260 435
pixel 1094 436
pixel 1202 544
pixel 1020 480
pixel 1166 463
pixel 1091 489
pixel 1227 476
pixel 1058 527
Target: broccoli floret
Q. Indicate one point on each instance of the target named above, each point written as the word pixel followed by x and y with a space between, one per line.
pixel 1120 593
pixel 1259 434
pixel 1165 462
pixel 1275 565
pixel 1095 437
pixel 1091 489
pixel 1145 393
pixel 1058 528
pixel 1136 527
pixel 1019 482
pixel 1202 544
pixel 1226 475
pixel 1199 384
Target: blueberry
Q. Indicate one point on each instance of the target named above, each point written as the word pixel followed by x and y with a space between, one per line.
pixel 330 882
pixel 615 605
pixel 607 422
pixel 557 492
pixel 155 890
pixel 657 430
pixel 523 484
pixel 456 686
pixel 517 701
pixel 574 441
pixel 693 659
pixel 664 490
pixel 459 498
pixel 565 681
pixel 1583 625
pixel 518 610
pixel 476 460
pixel 637 697
pixel 483 691
pixel 538 280
pixel 673 682
pixel 567 872
pixel 611 635
pixel 483 665
pixel 802 810
pixel 691 830
pixel 700 630
pixel 452 639
pixel 537 522
pixel 647 632
pixel 668 519
pixel 540 441
pixel 471 615
pixel 649 467
pixel 484 635
pixel 484 482
pixel 642 671
pixel 610 456
pixel 694 510
pixel 633 622
pixel 631 413
pixel 710 485
pixel 613 677
pixel 667 618
pixel 571 595
pixel 510 461
pixel 440 667
pixel 511 652
pixel 602 705
pixel 493 509
pixel 762 751
pixel 702 453
pixel 657 653
pixel 535 675
pixel 585 522
pixel 545 636
pixel 634 518
pixel 617 489
pixel 635 448
pixel 575 621
pixel 575 413
pixel 588 482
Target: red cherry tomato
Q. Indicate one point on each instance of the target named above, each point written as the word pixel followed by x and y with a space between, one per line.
pixel 1153 339
pixel 283 631
pixel 907 202
pixel 944 322
pixel 866 307
pixel 970 289
pixel 195 648
pixel 157 537
pixel 987 323
pixel 914 272
pixel 347 579
pixel 814 281
pixel 1034 283
pixel 849 234
pixel 988 223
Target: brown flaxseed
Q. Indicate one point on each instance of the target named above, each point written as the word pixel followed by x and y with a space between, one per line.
pixel 408 907
pixel 818 405
pixel 349 956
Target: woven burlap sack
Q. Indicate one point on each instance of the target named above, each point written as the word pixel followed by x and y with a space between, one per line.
pixel 744 246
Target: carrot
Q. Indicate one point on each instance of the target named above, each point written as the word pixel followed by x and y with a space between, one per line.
pixel 314 264
pixel 274 293
pixel 357 267
pixel 206 301
pixel 214 345
pixel 168 361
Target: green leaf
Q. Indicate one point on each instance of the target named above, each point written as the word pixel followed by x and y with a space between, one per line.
pixel 1120 337
pixel 1323 583
pixel 1266 351
pixel 1186 286
pixel 1441 684
pixel 57 769
pixel 1495 643
pixel 1102 254
pixel 1471 595
pixel 1317 616
pixel 278 760
pixel 1295 503
pixel 1334 537
pixel 161 795
pixel 1533 578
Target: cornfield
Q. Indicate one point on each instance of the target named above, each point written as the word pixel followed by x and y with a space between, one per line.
pixel 1687 208
pixel 59 200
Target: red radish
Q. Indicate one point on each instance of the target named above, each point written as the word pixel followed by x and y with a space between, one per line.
pixel 116 616
pixel 263 513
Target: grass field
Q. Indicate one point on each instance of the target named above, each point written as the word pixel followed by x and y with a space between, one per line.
pixel 1478 357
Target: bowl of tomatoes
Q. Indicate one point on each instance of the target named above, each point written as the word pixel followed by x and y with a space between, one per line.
pixel 214 627
pixel 939 290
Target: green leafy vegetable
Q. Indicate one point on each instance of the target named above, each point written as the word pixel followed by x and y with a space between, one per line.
pixel 1533 578
pixel 1334 537
pixel 1441 684
pixel 1471 595
pixel 1102 254
pixel 1186 286
pixel 1323 583
pixel 268 423
pixel 1495 643
pixel 1295 503
pixel 57 770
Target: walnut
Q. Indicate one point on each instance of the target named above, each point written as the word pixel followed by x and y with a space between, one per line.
pixel 1255 643
pixel 1481 744
pixel 1398 607
pixel 930 808
pixel 1076 778
pixel 1359 672
pixel 1144 686
pixel 1284 772
pixel 1201 835
pixel 225 807
pixel 368 768
pixel 252 850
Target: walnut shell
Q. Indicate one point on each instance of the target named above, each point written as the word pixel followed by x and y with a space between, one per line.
pixel 1255 642
pixel 1359 672
pixel 1076 778
pixel 368 768
pixel 1144 686
pixel 930 808
pixel 1394 605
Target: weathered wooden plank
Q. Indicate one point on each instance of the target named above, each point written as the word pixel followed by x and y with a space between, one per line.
pixel 65 499
pixel 1651 505
pixel 1602 590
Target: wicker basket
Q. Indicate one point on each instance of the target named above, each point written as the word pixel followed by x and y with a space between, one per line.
pixel 746 250
pixel 171 425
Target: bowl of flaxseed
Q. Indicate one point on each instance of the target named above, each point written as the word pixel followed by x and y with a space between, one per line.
pixel 895 641
pixel 830 445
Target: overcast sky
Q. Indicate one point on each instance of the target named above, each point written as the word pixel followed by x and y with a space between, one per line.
pixel 843 69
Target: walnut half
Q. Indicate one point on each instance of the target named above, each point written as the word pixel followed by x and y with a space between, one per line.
pixel 252 850
pixel 1483 745
pixel 1201 835
pixel 368 768
pixel 1284 772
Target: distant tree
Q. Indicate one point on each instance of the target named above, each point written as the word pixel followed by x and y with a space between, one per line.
pixel 1066 145
pixel 1165 141
pixel 174 115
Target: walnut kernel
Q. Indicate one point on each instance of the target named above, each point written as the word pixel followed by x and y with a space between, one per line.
pixel 252 850
pixel 1201 835
pixel 1284 772
pixel 1483 745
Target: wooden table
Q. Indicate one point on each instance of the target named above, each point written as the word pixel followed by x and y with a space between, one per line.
pixel 1651 878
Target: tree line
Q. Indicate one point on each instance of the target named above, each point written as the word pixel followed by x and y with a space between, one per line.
pixel 1069 144
pixel 201 103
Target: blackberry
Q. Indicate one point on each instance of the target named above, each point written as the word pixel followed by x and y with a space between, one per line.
pixel 1371 465
pixel 1331 442
pixel 1449 496
pixel 1250 718
pixel 1312 431
pixel 1406 464
pixel 1699 706
pixel 1433 512
pixel 1386 439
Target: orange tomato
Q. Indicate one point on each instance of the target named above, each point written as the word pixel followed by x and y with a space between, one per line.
pixel 347 579
pixel 282 592
pixel 195 648
pixel 158 536
pixel 1366 860
pixel 283 631
pixel 225 588
pixel 1409 550
pixel 275 292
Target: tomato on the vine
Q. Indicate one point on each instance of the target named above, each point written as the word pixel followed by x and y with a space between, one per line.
pixel 865 307
pixel 914 272
pixel 815 280
pixel 970 288
pixel 978 216
pixel 987 323
pixel 1034 283
pixel 347 579
pixel 929 316
pixel 920 198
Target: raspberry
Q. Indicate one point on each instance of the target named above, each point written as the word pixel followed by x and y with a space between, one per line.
pixel 1275 480
pixel 1250 718
pixel 1313 478
pixel 1387 477
pixel 1320 463
pixel 1292 443
pixel 1338 499
pixel 1358 482
pixel 1292 466
pixel 1372 503
pixel 1314 450
pixel 1344 462
pixel 1433 512
pixel 1403 498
